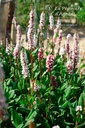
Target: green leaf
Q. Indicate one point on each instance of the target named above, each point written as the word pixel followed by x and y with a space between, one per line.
pixel 16 118
pixel 46 123
pixel 72 112
pixel 68 91
pixel 30 118
pixel 67 127
pixel 9 81
pixel 12 94
pixel 36 74
pixel 65 104
pixel 68 123
pixel 80 101
pixel 20 126
pixel 35 68
pixel 0 121
pixel 35 51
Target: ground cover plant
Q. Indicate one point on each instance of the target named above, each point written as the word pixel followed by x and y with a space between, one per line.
pixel 43 85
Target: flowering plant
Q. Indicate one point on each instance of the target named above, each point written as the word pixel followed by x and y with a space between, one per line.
pixel 43 89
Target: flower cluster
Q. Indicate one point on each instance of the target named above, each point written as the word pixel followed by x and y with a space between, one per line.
pixel 42 22
pixel 79 108
pixel 16 50
pixel 18 44
pixel 67 48
pixel 54 35
pixel 15 22
pixel 17 26
pixel 51 20
pixel 49 63
pixel 57 126
pixel 7 48
pixel 56 31
pixel 75 50
pixel 59 37
pixel 24 62
pixel 31 27
pixel 62 51
pixel 18 32
pixel 69 66
pixel 36 87
pixel 40 54
pixel 58 25
pixel 35 40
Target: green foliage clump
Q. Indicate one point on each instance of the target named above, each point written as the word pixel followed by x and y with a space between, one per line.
pixel 81 15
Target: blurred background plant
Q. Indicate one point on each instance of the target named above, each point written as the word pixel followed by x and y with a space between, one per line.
pixel 59 8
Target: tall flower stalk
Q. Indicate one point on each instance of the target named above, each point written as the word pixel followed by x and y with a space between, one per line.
pixel 59 39
pixel 51 20
pixel 41 27
pixel 42 22
pixel 18 44
pixel 67 47
pixel 24 63
pixel 40 57
pixel 31 29
pixel 75 50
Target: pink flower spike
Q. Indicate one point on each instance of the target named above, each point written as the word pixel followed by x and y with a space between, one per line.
pixel 69 66
pixel 40 54
pixel 49 63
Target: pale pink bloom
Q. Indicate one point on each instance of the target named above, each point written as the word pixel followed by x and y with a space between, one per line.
pixel 18 32
pixel 34 102
pixel 35 40
pixel 57 126
pixel 75 50
pixel 54 35
pixel 49 63
pixel 31 27
pixel 24 63
pixel 62 51
pixel 42 21
pixel 69 66
pixel 59 39
pixel 79 108
pixel 8 48
pixel 16 50
pixel 40 54
pixel 51 20
pixel 15 22
pixel 76 37
pixel 58 25
pixel 36 87
pixel 67 48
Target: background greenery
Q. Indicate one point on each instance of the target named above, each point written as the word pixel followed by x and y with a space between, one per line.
pixel 59 8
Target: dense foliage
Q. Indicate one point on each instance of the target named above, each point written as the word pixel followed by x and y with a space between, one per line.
pixel 81 15
pixel 48 104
